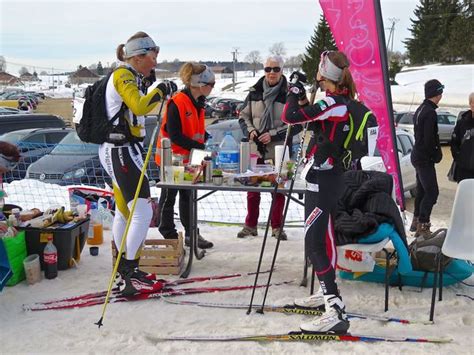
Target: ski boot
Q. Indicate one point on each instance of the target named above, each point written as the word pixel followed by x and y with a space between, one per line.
pixel 315 301
pixel 134 281
pixel 333 321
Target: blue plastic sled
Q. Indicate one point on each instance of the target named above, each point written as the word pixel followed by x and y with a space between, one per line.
pixel 5 270
pixel 456 271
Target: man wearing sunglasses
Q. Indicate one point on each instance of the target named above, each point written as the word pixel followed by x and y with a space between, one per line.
pixel 261 123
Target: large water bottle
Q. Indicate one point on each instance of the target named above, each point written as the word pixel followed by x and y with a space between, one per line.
pixel 228 158
pixel 213 147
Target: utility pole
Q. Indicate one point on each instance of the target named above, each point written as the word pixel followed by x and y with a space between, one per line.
pixel 391 35
pixel 234 61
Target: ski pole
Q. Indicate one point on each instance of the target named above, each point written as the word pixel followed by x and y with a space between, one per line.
pixel 285 211
pixel 132 210
pixel 262 250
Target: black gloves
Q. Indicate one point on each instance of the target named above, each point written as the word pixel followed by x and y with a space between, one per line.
pixel 148 80
pixel 296 85
pixel 167 87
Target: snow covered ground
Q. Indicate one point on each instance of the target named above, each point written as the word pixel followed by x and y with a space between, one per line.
pixel 127 326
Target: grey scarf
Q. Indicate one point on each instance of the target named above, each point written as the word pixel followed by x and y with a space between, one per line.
pixel 270 93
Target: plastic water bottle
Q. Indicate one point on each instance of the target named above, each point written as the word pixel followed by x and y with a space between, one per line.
pixel 213 147
pixel 228 158
pixel 50 258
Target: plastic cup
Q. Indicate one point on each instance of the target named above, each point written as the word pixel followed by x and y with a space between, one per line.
pixel 253 160
pixel 178 174
pixel 32 269
pixel 82 211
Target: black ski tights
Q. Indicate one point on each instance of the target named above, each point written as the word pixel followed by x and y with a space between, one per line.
pixel 323 192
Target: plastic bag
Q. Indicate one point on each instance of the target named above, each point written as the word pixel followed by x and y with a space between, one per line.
pixel 105 215
pixel 16 252
pixel 355 261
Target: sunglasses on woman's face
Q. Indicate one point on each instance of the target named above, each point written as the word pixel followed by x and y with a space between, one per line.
pixel 210 84
pixel 274 69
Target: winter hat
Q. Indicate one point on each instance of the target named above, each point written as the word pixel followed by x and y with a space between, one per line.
pixel 433 88
pixel 204 78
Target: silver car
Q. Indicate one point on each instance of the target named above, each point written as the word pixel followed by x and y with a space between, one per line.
pixel 446 123
pixel 405 142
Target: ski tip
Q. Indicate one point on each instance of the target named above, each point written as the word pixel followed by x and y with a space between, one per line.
pixel 99 322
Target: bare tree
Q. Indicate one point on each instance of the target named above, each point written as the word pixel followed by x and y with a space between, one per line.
pixel 44 72
pixel 277 48
pixel 294 62
pixel 23 70
pixel 3 63
pixel 255 59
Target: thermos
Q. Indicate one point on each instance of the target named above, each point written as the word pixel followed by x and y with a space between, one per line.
pixel 166 158
pixel 244 155
pixel 207 169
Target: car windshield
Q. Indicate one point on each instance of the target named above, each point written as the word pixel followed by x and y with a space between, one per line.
pixel 71 144
pixel 452 119
pixel 13 137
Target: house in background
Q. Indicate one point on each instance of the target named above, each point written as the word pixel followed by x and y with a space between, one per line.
pixel 83 76
pixel 29 77
pixel 10 80
pixel 222 71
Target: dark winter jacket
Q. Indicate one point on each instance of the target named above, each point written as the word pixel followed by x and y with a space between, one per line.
pixel 252 112
pixel 365 203
pixel 427 149
pixel 462 142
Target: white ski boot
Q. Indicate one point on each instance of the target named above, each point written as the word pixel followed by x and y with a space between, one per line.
pixel 333 321
pixel 315 301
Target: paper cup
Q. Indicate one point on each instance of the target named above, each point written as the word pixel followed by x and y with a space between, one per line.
pixel 32 269
pixel 178 174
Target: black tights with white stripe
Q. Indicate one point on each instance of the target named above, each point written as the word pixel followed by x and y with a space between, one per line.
pixel 323 191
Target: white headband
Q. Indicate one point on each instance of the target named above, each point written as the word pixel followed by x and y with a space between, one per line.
pixel 328 69
pixel 139 46
pixel 206 77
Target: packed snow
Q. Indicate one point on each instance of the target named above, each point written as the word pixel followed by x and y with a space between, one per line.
pixel 130 327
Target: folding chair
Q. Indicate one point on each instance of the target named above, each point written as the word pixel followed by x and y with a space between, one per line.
pixel 376 242
pixel 459 242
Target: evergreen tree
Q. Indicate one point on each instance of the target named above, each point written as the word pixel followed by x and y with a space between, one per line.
pixel 320 41
pixel 431 29
pixel 458 45
pixel 100 69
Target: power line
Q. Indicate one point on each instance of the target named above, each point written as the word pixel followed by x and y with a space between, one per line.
pixel 36 66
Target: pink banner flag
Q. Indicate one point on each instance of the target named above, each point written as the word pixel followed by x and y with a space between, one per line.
pixel 358 30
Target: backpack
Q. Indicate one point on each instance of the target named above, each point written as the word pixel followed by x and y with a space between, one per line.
pixel 94 126
pixel 356 144
pixel 423 252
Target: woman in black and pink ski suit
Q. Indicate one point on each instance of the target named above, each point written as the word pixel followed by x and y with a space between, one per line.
pixel 328 123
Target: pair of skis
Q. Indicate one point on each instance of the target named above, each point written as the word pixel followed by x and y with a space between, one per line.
pixel 302 337
pixel 169 289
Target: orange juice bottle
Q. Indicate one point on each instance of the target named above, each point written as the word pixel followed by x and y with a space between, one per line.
pixel 98 236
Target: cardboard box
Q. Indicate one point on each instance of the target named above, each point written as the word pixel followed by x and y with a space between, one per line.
pixel 159 256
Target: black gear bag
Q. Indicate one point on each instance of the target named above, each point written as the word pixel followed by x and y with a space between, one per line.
pixel 95 127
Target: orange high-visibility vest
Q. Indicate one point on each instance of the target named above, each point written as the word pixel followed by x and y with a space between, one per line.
pixel 192 125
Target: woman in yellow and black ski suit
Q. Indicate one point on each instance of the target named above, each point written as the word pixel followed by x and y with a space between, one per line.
pixel 123 159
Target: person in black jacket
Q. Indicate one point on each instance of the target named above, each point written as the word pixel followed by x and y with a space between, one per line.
pixel 426 153
pixel 462 144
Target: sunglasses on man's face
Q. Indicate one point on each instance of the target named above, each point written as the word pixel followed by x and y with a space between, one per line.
pixel 274 69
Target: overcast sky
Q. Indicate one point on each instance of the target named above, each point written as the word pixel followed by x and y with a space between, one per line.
pixel 64 34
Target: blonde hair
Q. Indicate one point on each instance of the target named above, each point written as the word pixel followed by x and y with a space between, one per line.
pixel 471 97
pixel 121 53
pixel 188 69
pixel 340 60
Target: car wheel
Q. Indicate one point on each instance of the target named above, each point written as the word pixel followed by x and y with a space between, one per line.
pixel 413 192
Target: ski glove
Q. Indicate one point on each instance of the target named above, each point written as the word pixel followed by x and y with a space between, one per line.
pixel 298 76
pixel 167 87
pixel 148 80
pixel 297 89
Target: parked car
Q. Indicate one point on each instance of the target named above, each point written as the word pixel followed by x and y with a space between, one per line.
pixel 15 122
pixel 9 110
pixel 33 143
pixel 446 123
pixel 405 142
pixel 225 107
pixel 75 162
pixel 218 130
